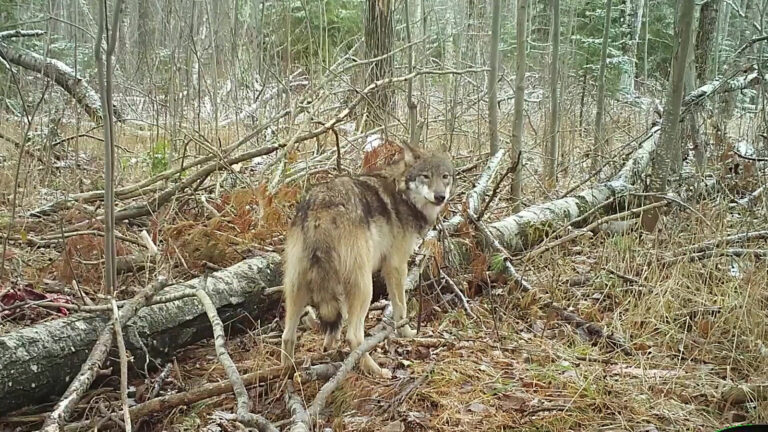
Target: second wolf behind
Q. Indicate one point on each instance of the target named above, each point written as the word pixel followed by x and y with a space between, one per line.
pixel 348 228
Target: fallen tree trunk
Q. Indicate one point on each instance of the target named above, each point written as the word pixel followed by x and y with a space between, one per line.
pixel 37 362
pixel 62 75
pixel 532 225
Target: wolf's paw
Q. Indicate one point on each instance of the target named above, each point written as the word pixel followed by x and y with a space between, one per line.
pixel 406 332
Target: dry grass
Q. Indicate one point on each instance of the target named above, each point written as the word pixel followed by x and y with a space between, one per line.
pixel 695 327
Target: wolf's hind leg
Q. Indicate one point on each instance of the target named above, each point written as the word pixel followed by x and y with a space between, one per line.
pixel 360 294
pixel 296 299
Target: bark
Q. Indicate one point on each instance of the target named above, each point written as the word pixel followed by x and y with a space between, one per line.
pixel 551 162
pixel 62 75
pixel 493 78
pixel 633 18
pixel 37 362
pixel 600 142
pixel 378 42
pixel 705 38
pixel 517 130
pixel 670 156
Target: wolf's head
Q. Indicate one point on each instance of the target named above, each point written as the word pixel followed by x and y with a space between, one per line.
pixel 426 179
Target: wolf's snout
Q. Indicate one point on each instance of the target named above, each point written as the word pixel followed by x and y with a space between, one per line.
pixel 439 198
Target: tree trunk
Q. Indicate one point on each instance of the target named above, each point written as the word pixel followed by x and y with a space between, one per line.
pixel 723 21
pixel 38 361
pixel 631 23
pixel 600 148
pixel 493 77
pixel 378 42
pixel 669 154
pixel 705 38
pixel 551 159
pixel 517 130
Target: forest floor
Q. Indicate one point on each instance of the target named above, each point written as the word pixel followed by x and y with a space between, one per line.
pixel 695 326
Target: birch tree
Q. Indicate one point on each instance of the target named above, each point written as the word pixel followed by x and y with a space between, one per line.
pixel 517 130
pixel 493 77
pixel 551 160
pixel 600 140
pixel 668 153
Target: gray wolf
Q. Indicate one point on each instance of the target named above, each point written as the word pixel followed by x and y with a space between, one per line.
pixel 347 229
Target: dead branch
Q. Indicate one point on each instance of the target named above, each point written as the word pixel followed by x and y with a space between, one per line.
pixel 88 371
pixel 241 394
pixel 578 233
pixel 475 196
pixel 731 240
pixel 61 74
pixel 720 86
pixel 745 393
pixel 299 417
pixel 18 33
pixel 717 253
pixel 459 294
pixel 749 200
pixel 123 366
pixel 368 344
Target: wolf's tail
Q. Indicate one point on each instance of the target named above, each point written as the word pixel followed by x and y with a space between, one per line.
pixel 325 287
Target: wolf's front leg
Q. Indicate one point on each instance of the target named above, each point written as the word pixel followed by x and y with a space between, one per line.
pixel 395 276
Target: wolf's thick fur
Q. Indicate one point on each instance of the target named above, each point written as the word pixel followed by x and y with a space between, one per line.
pixel 348 228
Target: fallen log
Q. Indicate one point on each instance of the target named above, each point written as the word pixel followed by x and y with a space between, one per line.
pixel 534 224
pixel 38 362
pixel 62 75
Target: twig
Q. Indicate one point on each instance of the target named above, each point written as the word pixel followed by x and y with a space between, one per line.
pixel 699 256
pixel 748 201
pixel 459 294
pixel 400 399
pixel 749 158
pixel 745 393
pixel 512 168
pixel 123 367
pixel 241 394
pixel 475 196
pixel 368 344
pixel 207 391
pixel 98 354
pixel 730 240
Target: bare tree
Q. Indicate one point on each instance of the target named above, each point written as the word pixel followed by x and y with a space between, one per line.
pixel 412 108
pixel 705 38
pixel 669 152
pixel 630 29
pixel 105 68
pixel 378 42
pixel 551 160
pixel 493 77
pixel 600 140
pixel 517 130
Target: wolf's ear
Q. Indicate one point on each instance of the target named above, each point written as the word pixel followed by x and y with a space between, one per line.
pixel 410 154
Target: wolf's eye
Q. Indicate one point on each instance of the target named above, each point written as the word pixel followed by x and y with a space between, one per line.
pixel 446 176
pixel 425 176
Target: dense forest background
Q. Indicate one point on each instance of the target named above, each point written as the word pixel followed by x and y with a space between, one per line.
pixel 601 265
